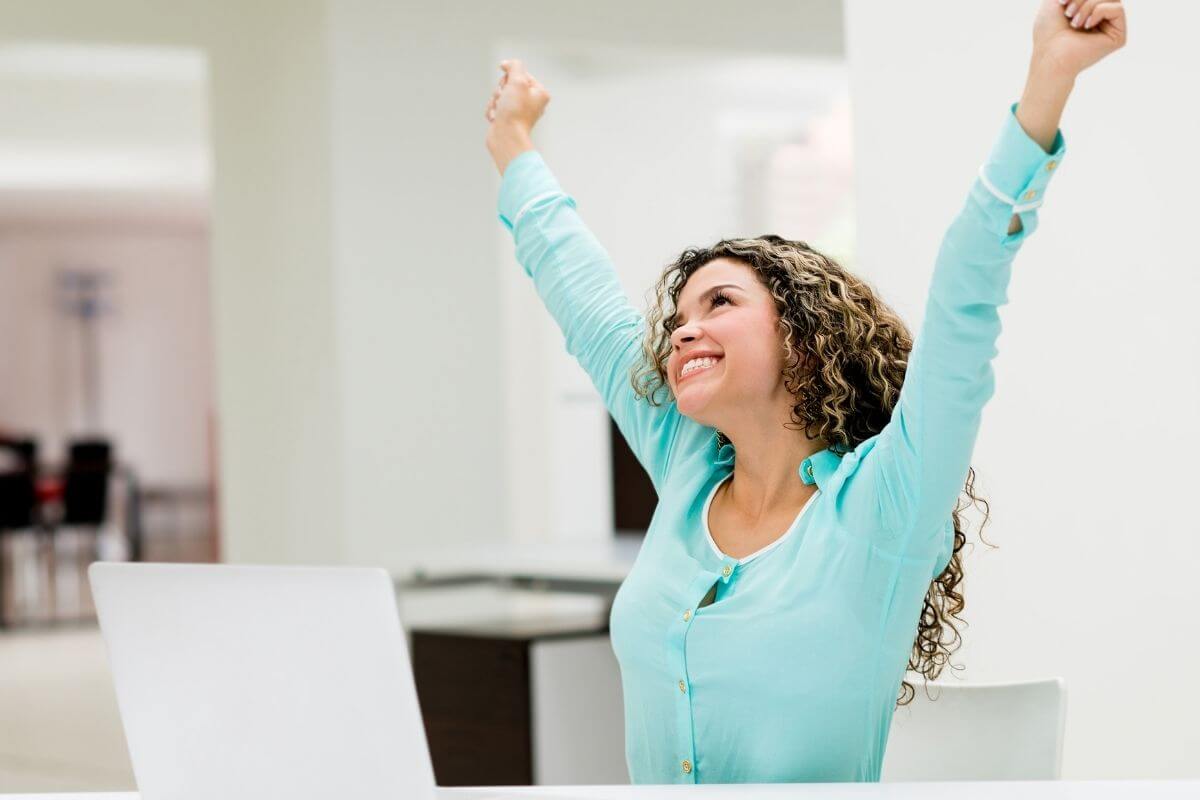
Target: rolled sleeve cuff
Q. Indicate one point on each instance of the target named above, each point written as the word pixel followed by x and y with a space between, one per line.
pixel 1017 170
pixel 526 180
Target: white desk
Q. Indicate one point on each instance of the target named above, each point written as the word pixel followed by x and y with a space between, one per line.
pixel 956 790
pixel 947 790
pixel 608 560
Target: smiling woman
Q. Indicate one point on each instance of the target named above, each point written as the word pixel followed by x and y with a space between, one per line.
pixel 786 664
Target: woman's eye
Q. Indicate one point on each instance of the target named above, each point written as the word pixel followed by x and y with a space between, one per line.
pixel 717 297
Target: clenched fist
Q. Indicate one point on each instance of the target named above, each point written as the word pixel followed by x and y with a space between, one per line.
pixel 515 107
pixel 519 99
pixel 1075 34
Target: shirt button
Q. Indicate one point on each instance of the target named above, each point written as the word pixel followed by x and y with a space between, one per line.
pixel 727 571
pixel 687 765
pixel 1030 194
pixel 1050 165
pixel 682 687
pixel 687 615
pixel 808 470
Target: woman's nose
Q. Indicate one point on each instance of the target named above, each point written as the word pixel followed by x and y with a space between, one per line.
pixel 683 334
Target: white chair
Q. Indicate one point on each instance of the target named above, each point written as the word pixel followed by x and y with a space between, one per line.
pixel 981 731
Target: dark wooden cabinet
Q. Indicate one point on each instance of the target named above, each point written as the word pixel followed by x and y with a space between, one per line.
pixel 474 696
pixel 485 690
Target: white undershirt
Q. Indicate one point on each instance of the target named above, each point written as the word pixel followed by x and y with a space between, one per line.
pixel 708 532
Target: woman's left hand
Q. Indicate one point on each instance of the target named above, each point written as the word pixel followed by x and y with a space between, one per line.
pixel 1073 35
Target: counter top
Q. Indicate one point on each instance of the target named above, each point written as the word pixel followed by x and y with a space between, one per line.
pixel 604 561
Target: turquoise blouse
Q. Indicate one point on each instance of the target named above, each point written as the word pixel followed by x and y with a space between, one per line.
pixel 792 672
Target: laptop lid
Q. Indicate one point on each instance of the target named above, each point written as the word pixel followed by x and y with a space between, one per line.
pixel 245 682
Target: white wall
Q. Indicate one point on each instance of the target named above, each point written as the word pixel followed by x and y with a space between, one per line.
pixel 1085 451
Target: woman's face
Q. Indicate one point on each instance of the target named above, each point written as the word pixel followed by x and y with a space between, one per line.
pixel 726 313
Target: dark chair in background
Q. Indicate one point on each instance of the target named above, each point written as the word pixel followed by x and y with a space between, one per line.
pixel 18 505
pixel 55 520
pixel 18 499
pixel 86 480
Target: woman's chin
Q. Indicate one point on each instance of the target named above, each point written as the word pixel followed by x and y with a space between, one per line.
pixel 692 400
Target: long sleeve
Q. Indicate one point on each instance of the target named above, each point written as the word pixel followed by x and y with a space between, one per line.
pixel 910 474
pixel 576 280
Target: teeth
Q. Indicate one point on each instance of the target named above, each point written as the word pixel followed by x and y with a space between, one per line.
pixel 697 363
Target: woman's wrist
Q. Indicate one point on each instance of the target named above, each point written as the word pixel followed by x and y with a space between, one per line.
pixel 506 142
pixel 1040 109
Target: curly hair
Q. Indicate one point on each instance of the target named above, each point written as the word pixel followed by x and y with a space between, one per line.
pixel 859 348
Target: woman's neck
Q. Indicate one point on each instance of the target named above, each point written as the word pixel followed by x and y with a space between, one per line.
pixel 766 472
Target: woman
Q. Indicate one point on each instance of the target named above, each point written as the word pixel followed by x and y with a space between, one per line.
pixel 765 628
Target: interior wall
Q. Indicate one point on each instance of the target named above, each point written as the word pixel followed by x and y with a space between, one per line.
pixel 275 279
pixel 1087 443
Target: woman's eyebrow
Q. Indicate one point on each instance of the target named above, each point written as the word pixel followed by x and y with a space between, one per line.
pixel 707 293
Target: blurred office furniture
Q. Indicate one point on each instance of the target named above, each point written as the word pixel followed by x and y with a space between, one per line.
pixel 987 731
pixel 57 519
pixel 177 523
pixel 18 525
pixel 517 681
pixel 85 489
pixel 17 497
pixel 81 516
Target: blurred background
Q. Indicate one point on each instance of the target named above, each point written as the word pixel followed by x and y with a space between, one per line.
pixel 256 307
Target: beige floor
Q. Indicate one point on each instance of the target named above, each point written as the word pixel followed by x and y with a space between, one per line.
pixel 59 726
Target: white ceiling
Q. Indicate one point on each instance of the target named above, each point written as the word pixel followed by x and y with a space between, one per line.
pixel 96 119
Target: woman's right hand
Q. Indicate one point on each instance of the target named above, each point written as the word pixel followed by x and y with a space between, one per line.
pixel 518 101
pixel 514 109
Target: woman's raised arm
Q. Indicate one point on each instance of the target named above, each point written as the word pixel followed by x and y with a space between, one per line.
pixel 911 473
pixel 571 271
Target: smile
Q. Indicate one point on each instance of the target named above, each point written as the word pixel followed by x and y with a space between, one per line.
pixel 698 366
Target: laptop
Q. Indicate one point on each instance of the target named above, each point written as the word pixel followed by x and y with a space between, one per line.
pixel 248 682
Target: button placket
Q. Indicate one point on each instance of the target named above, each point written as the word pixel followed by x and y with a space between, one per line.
pixel 677 647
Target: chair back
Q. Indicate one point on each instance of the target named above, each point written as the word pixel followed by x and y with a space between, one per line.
pixel 977 732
